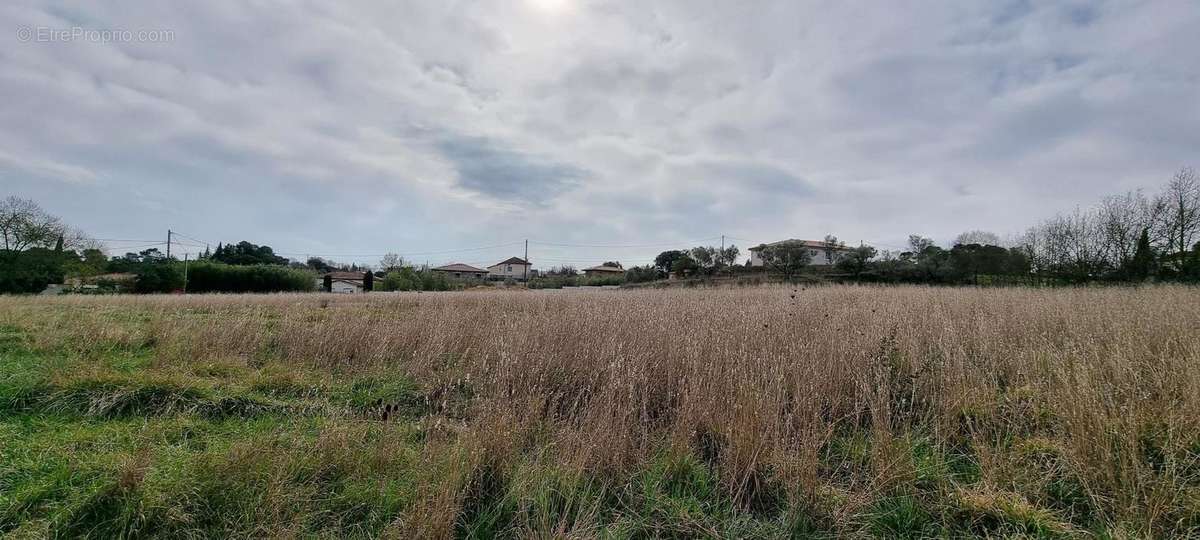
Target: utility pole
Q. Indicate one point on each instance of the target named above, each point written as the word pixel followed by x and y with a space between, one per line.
pixel 526 260
pixel 168 243
pixel 185 263
pixel 722 242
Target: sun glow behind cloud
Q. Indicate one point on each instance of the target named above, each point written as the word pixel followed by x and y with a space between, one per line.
pixel 550 7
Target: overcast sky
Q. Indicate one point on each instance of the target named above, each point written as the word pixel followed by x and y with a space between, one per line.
pixel 417 127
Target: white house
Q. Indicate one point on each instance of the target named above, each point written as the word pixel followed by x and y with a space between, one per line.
pixel 513 268
pixel 343 286
pixel 822 254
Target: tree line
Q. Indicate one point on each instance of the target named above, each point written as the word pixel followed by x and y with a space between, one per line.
pixel 1129 237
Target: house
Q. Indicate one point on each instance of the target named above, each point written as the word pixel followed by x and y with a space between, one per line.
pixel 462 271
pixel 513 268
pixel 822 254
pixel 604 271
pixel 344 286
pixel 343 282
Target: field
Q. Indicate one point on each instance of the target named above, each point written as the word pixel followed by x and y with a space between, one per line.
pixel 761 412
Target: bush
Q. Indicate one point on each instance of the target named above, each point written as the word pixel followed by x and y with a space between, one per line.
pixel 30 271
pixel 218 277
pixel 158 277
pixel 558 281
pixel 408 279
pixel 642 274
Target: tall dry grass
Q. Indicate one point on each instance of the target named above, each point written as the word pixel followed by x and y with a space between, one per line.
pixel 1098 385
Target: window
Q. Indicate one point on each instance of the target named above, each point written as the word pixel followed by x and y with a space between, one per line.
pixel 509 268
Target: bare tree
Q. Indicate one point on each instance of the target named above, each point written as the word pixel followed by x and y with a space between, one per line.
pixel 983 238
pixel 391 262
pixel 1179 211
pixel 917 244
pixel 24 224
pixel 1121 219
pixel 1070 246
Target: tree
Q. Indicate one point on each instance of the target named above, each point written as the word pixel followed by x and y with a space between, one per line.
pixel 975 259
pixel 391 262
pixel 327 283
pixel 319 264
pixel 1122 219
pixel 613 264
pixel 564 270
pixel 368 281
pixel 665 261
pixel 785 258
pixel 983 238
pixel 24 225
pixel 640 274
pixel 1141 265
pixel 856 260
pixel 684 266
pixel 90 263
pixel 246 253
pixel 29 271
pixel 705 257
pixel 832 248
pixel 158 277
pixel 1179 216
pixel 917 244
pixel 728 256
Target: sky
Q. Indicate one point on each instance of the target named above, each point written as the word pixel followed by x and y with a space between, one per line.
pixel 453 131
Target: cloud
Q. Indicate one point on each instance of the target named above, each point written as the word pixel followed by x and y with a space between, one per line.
pixel 48 169
pixel 484 167
pixel 430 126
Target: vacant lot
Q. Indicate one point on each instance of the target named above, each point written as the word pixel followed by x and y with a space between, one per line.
pixel 766 412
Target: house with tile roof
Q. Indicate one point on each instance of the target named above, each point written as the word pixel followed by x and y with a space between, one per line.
pixel 462 271
pixel 511 268
pixel 822 254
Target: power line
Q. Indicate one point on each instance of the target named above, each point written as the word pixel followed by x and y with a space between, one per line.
pixel 617 246
pixel 202 242
pixel 402 254
pixel 124 240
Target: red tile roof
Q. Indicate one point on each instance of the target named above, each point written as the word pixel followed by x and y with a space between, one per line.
pixel 346 276
pixel 815 244
pixel 460 267
pixel 603 268
pixel 512 260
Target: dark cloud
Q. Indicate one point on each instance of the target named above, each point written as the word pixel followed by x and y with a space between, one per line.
pixel 484 167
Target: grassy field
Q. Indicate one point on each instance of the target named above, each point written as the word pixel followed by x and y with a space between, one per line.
pixel 762 412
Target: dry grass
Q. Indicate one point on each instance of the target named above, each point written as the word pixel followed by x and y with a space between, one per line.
pixel 848 410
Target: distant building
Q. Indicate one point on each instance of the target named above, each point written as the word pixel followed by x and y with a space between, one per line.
pixel 513 268
pixel 604 271
pixel 343 286
pixel 462 271
pixel 822 254
pixel 343 282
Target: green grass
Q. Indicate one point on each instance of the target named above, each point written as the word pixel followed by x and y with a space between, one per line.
pixel 114 447
pixel 119 440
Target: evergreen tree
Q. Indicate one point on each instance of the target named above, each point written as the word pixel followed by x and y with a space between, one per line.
pixel 1141 266
pixel 368 281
